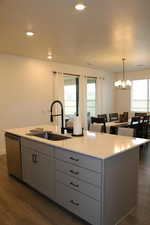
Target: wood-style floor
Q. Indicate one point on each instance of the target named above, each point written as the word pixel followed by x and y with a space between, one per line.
pixel 20 205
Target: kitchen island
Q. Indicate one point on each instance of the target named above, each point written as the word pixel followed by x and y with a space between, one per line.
pixel 94 176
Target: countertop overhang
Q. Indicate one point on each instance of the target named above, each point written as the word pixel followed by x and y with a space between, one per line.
pixel 99 145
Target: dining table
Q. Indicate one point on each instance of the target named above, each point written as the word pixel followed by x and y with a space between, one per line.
pixel 97 127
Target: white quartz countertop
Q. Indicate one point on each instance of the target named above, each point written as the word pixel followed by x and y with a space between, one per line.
pixel 98 145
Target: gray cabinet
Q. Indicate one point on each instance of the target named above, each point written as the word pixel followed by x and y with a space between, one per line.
pixel 79 204
pixel 38 170
pixel 78 184
pixel 99 191
pixel 81 160
pixel 80 173
pixel 72 180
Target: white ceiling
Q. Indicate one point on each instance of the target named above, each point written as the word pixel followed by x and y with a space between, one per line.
pixel 97 37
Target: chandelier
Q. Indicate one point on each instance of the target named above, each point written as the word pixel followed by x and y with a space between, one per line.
pixel 123 84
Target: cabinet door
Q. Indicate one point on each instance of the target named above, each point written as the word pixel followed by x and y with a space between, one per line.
pixel 28 167
pixel 44 175
pixel 38 171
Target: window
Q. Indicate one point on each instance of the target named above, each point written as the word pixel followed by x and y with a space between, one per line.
pixel 91 96
pixel 71 95
pixel 140 96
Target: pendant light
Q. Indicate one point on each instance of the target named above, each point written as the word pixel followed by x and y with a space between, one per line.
pixel 123 84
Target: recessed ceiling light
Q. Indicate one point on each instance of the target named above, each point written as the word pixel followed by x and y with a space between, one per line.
pixel 29 33
pixel 80 6
pixel 49 56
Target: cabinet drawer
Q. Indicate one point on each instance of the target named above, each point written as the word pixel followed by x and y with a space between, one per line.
pixel 78 185
pixel 79 173
pixel 85 207
pixel 37 146
pixel 79 159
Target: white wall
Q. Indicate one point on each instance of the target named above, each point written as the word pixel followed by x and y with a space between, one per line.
pixel 26 90
pixel 122 97
pixel 107 94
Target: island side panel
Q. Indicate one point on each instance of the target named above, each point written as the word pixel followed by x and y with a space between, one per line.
pixel 120 186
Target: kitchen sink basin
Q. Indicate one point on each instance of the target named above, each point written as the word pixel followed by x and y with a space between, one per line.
pixel 49 135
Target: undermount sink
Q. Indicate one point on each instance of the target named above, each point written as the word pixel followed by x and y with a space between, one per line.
pixel 49 135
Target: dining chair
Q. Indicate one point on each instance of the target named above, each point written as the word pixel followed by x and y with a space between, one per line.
pixel 146 119
pixel 143 132
pixel 135 122
pixel 136 125
pixel 100 121
pixel 130 132
pixel 126 131
pixel 113 117
pixel 103 116
pixel 88 120
pixel 144 127
pixel 140 114
pixel 113 130
pixel 126 116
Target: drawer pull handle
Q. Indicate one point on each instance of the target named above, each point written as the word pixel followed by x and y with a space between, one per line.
pixel 74 159
pixel 75 185
pixel 74 172
pixel 34 157
pixel 74 203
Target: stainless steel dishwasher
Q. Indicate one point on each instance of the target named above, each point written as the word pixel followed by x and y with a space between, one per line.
pixel 13 149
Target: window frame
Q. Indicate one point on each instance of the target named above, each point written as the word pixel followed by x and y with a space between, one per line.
pixel 148 96
pixel 77 79
pixel 95 79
